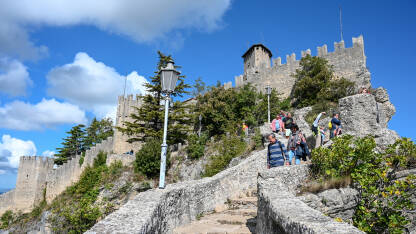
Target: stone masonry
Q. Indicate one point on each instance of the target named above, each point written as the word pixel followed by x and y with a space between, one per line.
pixel 349 63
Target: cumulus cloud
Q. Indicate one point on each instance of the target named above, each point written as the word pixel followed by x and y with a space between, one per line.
pixel 14 78
pixel 20 115
pixel 141 20
pixel 92 85
pixel 11 149
pixel 48 153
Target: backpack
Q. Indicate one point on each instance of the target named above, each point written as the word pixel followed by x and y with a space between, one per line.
pixel 330 125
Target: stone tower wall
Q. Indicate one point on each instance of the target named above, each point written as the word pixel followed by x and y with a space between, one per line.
pixel 30 183
pixel 349 63
pixel 126 106
pixel 256 60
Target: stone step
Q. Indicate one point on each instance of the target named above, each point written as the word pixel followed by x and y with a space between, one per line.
pixel 209 226
pixel 243 212
pixel 224 218
pixel 244 202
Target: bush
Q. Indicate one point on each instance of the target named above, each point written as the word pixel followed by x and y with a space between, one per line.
pixel 382 197
pixel 6 219
pixel 148 159
pixel 228 148
pixel 196 146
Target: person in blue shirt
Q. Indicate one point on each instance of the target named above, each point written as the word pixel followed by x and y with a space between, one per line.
pixel 276 152
pixel 336 126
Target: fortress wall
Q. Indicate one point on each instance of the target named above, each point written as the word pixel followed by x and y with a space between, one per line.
pixel 58 179
pixel 349 63
pixel 7 201
pixel 31 179
pixel 126 159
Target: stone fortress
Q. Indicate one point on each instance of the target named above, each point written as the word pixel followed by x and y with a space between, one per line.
pixel 160 211
pixel 37 177
pixel 260 69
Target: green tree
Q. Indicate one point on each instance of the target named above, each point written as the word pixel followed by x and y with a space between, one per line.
pixel 315 83
pixel 71 145
pixel 148 158
pixel 98 131
pixel 147 120
pixel 199 88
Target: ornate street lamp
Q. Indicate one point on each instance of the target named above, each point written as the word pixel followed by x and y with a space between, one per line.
pixel 200 126
pixel 268 92
pixel 169 77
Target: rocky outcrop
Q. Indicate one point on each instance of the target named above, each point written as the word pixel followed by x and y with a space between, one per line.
pixel 280 211
pixel 361 115
pixel 336 203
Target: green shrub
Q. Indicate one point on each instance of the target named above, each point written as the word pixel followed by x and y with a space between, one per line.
pixel 6 219
pixel 382 197
pixel 258 139
pixel 228 148
pixel 100 160
pixel 81 159
pixel 315 83
pixel 148 159
pixel 196 146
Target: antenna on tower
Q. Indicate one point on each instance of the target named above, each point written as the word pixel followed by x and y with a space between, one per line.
pixel 125 81
pixel 340 22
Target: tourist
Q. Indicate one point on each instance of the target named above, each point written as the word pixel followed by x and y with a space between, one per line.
pixel 277 125
pixel 245 128
pixel 316 131
pixel 288 124
pixel 276 152
pixel 297 145
pixel 282 115
pixel 336 126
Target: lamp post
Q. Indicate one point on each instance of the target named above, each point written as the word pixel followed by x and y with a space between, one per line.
pixel 200 126
pixel 268 92
pixel 169 77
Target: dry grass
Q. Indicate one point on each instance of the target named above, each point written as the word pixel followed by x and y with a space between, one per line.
pixel 319 186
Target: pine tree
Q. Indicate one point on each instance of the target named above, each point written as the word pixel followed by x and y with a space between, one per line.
pixel 72 144
pixel 98 131
pixel 147 121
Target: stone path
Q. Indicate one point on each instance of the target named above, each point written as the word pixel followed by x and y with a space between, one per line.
pixel 237 216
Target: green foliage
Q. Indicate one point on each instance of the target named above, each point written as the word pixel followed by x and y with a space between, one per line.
pixel 76 211
pixel 148 159
pixel 6 219
pixel 196 145
pixel 315 83
pixel 224 110
pixel 258 139
pixel 81 159
pixel 147 121
pixel 382 197
pixel 72 145
pixel 199 88
pixel 82 138
pixel 228 148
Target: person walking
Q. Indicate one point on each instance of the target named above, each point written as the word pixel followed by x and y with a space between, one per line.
pixel 277 125
pixel 336 126
pixel 288 124
pixel 276 152
pixel 245 129
pixel 297 145
pixel 316 130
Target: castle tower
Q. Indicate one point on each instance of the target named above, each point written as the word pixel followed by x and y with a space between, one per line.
pixel 126 106
pixel 256 57
pixel 31 181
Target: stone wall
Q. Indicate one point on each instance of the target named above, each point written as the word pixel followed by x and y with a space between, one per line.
pixel 280 211
pixel 58 179
pixel 126 159
pixel 36 173
pixel 349 63
pixel 161 210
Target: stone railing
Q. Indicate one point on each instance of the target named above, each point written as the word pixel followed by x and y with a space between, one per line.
pixel 280 211
pixel 161 210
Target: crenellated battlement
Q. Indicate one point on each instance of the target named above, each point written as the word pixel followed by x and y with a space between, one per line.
pixel 347 62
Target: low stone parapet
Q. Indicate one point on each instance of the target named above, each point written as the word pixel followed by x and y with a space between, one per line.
pixel 280 211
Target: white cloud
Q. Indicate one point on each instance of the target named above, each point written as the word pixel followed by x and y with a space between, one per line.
pixel 12 148
pixel 47 113
pixel 48 153
pixel 141 20
pixel 14 78
pixel 92 85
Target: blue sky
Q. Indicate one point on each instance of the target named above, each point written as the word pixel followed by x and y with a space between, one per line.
pixel 63 64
